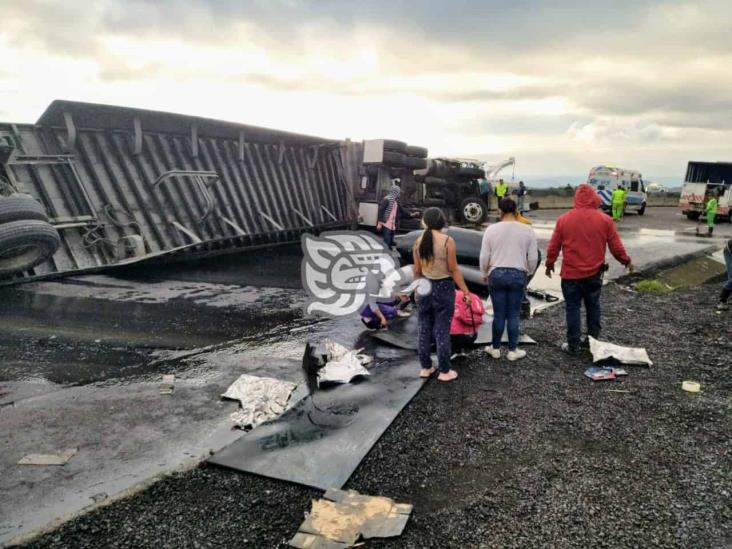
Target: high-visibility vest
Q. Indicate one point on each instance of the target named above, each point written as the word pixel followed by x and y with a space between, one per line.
pixel 618 196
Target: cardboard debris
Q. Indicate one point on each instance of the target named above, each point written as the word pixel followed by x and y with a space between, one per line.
pixel 61 458
pixel 602 350
pixel 261 399
pixel 168 384
pixel 339 520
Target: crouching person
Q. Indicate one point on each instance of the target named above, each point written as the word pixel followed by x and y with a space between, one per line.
pixel 385 298
pixel 466 321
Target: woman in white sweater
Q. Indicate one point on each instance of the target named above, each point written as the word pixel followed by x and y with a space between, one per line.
pixel 508 254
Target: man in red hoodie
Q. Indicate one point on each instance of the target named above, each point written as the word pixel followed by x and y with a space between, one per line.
pixel 583 235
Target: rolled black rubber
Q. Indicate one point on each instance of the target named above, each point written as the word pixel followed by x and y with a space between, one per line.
pixel 25 244
pixel 468 243
pixel 394 158
pixel 414 163
pixel 417 152
pixel 394 145
pixel 474 173
pixel 435 180
pixel 17 207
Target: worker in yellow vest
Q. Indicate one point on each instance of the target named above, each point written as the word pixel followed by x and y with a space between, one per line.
pixel 618 203
pixel 501 190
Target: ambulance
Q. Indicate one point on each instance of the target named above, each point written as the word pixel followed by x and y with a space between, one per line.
pixel 605 179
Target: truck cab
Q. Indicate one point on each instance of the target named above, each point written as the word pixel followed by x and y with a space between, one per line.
pixel 703 180
pixel 605 179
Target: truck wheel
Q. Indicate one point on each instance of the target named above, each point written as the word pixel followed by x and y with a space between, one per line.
pixel 473 210
pixel 642 209
pixel 417 152
pixel 394 158
pixel 394 145
pixel 693 216
pixel 25 244
pixel 17 207
pixel 414 163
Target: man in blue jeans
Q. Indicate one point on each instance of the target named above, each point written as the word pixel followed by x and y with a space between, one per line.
pixel 727 289
pixel 583 235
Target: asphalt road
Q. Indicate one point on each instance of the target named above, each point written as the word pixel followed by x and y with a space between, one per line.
pixel 511 455
pixel 81 361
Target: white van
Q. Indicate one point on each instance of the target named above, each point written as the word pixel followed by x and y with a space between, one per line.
pixel 705 179
pixel 605 179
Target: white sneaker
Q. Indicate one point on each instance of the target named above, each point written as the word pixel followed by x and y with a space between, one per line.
pixel 518 354
pixel 494 353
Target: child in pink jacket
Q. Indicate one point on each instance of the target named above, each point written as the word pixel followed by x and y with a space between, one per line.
pixel 466 321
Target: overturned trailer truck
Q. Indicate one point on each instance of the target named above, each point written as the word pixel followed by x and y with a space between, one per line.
pixel 93 186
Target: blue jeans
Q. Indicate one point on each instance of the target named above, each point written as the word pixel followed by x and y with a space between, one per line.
pixel 507 288
pixel 388 236
pixel 576 292
pixel 435 315
pixel 728 261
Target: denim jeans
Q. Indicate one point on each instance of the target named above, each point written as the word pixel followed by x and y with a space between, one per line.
pixel 576 292
pixel 728 261
pixel 435 315
pixel 507 288
pixel 388 236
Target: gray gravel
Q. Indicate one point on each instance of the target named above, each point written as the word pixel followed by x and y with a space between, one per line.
pixel 530 454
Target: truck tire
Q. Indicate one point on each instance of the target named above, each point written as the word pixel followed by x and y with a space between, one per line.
pixel 417 152
pixel 394 145
pixel 473 173
pixel 435 180
pixel 394 158
pixel 24 244
pixel 414 163
pixel 693 216
pixel 473 210
pixel 17 207
pixel 642 209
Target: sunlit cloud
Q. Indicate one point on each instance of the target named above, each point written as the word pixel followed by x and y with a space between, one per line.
pixel 560 87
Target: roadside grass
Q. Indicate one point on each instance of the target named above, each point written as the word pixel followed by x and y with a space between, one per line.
pixel 652 285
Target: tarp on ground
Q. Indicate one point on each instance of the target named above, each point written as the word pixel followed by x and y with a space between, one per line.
pixel 404 332
pixel 321 440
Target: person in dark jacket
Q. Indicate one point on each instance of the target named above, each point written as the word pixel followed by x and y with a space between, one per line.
pixel 582 235
pixel 389 212
pixel 521 197
pixel 727 288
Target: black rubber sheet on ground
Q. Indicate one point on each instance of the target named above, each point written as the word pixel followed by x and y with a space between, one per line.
pixel 321 440
pixel 403 333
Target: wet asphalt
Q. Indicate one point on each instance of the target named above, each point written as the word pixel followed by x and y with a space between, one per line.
pixel 510 456
pixel 527 454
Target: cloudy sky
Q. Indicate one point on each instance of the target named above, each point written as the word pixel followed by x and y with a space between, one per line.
pixel 640 84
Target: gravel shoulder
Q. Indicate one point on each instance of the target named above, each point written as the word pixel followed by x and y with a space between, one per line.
pixel 511 455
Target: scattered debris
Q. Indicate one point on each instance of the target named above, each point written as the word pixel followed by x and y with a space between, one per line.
pixel 338 521
pixel 600 374
pixel 261 399
pixel 168 384
pixel 602 350
pixel 61 458
pixel 342 364
pixel 691 386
